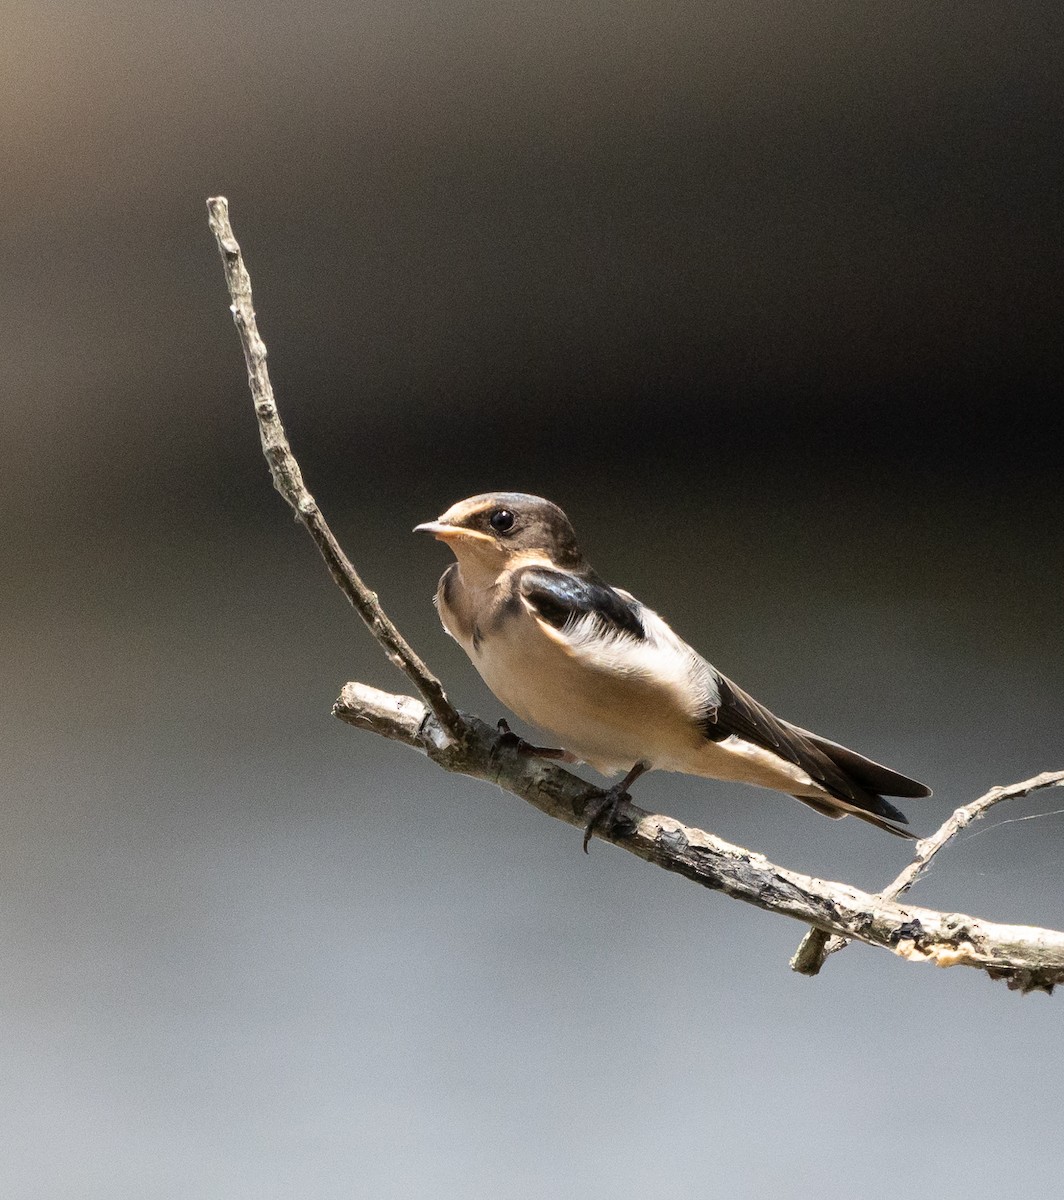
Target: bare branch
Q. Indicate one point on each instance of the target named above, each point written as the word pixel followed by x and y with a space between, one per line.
pixel 288 479
pixel 818 944
pixel 1028 958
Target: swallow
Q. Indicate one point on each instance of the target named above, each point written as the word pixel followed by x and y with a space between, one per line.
pixel 606 677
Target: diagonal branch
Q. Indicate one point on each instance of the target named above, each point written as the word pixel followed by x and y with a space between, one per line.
pixel 288 479
pixel 818 944
pixel 1028 958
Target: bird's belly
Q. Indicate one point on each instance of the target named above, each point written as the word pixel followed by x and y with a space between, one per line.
pixel 609 719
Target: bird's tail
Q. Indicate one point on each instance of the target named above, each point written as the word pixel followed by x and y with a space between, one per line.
pixel 873 781
pixel 843 808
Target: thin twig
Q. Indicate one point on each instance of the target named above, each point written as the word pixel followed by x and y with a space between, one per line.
pixel 288 480
pixel 818 945
pixel 1028 958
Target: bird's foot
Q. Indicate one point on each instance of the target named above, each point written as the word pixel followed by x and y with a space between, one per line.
pixel 527 749
pixel 602 814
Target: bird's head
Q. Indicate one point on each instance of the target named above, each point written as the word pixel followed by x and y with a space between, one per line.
pixel 496 531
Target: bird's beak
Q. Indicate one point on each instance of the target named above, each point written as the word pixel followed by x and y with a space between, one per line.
pixel 439 530
pixel 443 532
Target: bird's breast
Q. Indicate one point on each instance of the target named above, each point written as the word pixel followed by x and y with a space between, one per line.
pixel 609 716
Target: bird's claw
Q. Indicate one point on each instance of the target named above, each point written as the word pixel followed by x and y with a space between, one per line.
pixel 507 735
pixel 526 748
pixel 602 814
pixel 607 805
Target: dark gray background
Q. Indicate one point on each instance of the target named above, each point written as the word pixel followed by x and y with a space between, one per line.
pixel 768 298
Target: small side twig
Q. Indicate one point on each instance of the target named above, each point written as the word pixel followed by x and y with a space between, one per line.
pixel 288 480
pixel 818 944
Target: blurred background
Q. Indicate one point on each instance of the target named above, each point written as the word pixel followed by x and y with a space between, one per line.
pixel 768 297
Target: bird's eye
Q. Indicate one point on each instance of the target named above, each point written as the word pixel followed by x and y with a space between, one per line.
pixel 501 520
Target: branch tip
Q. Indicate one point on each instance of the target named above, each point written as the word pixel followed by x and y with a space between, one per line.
pixel 288 478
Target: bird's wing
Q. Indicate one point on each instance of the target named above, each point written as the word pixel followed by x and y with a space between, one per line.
pixel 614 632
pixel 563 600
pixel 729 710
pixel 857 783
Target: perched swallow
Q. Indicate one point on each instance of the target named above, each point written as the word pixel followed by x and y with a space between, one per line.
pixel 606 676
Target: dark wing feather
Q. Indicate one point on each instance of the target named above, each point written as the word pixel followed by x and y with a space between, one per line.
pixel 561 598
pixel 733 711
pixel 844 774
pixel 868 773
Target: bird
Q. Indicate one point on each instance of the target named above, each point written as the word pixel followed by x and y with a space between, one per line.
pixel 609 679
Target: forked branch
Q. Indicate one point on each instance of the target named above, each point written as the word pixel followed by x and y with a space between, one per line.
pixel 818 944
pixel 1028 958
